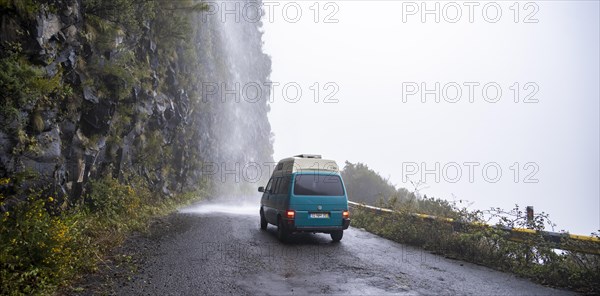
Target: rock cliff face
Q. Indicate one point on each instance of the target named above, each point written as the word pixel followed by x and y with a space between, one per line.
pixel 91 88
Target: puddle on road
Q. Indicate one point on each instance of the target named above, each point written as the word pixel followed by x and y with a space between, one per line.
pixel 224 208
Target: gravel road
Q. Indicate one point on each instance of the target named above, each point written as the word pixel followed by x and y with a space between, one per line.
pixel 217 249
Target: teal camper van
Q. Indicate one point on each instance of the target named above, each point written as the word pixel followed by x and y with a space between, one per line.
pixel 305 194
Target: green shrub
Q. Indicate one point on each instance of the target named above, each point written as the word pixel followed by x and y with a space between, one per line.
pixel 22 84
pixel 42 250
pixel 533 257
pixel 25 8
pixel 38 251
pixel 109 198
pixel 126 13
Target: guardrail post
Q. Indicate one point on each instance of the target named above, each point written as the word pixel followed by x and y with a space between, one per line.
pixel 529 211
pixel 530 216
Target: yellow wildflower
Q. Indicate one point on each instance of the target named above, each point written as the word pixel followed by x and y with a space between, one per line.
pixel 50 199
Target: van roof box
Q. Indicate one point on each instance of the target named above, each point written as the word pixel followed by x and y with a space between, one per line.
pixel 317 156
pixel 305 162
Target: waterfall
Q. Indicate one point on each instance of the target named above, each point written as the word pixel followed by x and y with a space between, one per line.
pixel 235 76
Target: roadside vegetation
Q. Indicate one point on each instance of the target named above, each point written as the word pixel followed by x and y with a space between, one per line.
pixel 44 247
pixel 50 236
pixel 532 257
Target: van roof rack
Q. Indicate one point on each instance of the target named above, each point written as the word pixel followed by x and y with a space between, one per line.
pixel 308 156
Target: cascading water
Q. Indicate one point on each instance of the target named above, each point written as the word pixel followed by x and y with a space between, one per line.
pixel 235 73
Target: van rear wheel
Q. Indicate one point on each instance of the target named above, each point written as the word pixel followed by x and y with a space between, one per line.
pixel 282 233
pixel 263 221
pixel 336 236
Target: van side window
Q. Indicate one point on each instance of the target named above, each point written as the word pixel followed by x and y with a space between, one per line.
pixel 284 188
pixel 275 186
pixel 269 184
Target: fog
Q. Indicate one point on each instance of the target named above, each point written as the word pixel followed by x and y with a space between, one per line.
pixel 249 208
pixel 509 115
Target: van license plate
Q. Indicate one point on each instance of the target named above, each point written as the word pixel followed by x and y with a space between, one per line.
pixel 319 215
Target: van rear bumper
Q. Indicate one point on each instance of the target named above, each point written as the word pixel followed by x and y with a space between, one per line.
pixel 290 226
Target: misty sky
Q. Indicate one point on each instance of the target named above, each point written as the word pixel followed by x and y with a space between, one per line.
pixel 379 64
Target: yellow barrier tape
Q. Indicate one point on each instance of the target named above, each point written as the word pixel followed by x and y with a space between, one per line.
pixel 524 230
pixel 450 220
pixel 584 238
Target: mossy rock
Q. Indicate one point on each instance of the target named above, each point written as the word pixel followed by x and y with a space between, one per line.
pixel 37 122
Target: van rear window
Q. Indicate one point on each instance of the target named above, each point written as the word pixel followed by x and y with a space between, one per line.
pixel 327 185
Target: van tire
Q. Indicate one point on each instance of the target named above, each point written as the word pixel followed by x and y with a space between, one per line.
pixel 336 236
pixel 263 221
pixel 282 233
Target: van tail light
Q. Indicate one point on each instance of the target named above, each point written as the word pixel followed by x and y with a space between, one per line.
pixel 290 214
pixel 345 214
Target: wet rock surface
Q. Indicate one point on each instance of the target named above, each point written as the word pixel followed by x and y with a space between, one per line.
pixel 226 253
pixel 122 95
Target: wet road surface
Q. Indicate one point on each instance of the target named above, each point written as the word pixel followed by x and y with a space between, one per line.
pixel 201 251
